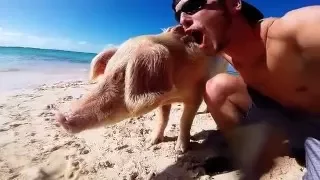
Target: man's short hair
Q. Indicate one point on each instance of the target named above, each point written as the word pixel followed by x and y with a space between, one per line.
pixel 250 13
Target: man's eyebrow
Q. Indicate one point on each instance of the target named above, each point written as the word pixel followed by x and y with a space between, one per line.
pixel 180 5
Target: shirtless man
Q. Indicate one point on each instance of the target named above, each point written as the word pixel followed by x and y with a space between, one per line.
pixel 279 63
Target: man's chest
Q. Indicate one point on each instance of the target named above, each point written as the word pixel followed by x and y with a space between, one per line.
pixel 282 75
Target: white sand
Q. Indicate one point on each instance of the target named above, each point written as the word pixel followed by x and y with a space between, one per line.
pixel 34 147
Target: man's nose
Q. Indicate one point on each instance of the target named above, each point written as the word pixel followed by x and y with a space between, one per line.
pixel 185 20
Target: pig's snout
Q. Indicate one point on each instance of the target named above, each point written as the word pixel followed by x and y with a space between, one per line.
pixel 178 29
pixel 67 125
pixel 60 118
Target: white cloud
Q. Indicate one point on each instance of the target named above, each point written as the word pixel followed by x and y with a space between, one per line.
pixel 16 38
pixel 12 34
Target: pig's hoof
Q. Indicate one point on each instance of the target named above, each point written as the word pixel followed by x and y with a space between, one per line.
pixel 155 140
pixel 182 146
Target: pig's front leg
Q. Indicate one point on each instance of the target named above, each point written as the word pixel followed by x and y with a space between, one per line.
pixel 162 116
pixel 189 112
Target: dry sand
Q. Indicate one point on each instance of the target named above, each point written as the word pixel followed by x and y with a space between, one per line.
pixel 34 147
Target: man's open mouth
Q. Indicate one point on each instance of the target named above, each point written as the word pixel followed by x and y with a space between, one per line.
pixel 198 36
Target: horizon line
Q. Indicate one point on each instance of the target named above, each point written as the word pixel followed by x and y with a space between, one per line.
pixel 29 47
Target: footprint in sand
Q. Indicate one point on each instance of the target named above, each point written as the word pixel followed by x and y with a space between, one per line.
pixel 51 107
pixel 68 98
pixel 14 125
pixel 59 165
pixel 11 126
pixel 46 114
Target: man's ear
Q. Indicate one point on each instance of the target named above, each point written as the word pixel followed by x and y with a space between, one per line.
pixel 233 6
pixel 99 62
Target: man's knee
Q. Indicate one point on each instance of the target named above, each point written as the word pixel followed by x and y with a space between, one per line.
pixel 219 88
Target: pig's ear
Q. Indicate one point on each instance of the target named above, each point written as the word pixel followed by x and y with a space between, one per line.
pixel 148 75
pixel 99 62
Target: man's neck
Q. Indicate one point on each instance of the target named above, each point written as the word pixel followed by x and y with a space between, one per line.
pixel 246 43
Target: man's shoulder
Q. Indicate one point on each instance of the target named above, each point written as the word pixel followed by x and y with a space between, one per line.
pixel 302 12
pixel 293 30
pixel 264 26
pixel 267 22
pixel 278 27
pixel 288 24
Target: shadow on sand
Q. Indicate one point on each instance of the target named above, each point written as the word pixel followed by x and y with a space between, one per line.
pixel 210 157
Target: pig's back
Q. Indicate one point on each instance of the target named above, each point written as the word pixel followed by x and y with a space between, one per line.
pixel 126 52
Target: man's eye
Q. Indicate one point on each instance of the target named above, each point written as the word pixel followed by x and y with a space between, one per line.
pixel 193 11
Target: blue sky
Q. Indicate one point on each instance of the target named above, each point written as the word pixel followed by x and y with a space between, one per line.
pixel 91 25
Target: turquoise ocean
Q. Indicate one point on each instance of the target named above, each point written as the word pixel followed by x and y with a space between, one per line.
pixel 30 67
pixel 23 68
